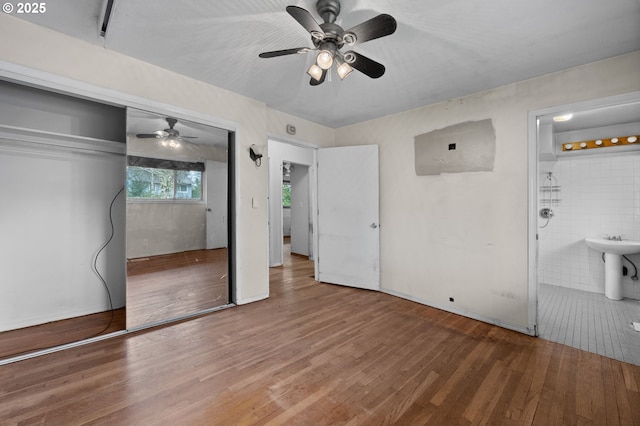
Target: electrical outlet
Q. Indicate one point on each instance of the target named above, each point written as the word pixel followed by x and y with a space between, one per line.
pixel 451 299
pixel 452 146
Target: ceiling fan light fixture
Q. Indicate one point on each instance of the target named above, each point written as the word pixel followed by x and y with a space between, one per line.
pixel 315 72
pixel 171 141
pixel 325 59
pixel 344 69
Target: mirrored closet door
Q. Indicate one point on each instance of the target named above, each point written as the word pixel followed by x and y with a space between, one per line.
pixel 177 208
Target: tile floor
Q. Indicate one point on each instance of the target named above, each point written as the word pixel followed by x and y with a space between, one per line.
pixel 589 321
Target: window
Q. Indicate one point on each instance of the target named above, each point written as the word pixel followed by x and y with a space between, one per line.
pixel 286 194
pixel 150 178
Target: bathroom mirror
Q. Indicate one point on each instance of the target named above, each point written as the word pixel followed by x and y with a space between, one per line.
pixel 177 218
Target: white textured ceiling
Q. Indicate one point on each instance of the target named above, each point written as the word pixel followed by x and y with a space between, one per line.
pixel 441 49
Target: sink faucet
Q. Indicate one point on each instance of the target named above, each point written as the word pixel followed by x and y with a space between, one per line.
pixel 614 237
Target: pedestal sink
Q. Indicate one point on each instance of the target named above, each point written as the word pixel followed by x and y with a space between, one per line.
pixel 613 250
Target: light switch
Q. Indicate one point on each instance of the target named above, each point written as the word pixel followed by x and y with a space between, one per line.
pixel 254 202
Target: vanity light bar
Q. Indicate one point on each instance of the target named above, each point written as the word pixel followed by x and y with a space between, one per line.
pixel 600 143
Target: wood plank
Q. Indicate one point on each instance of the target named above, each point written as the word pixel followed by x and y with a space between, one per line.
pixel 56 333
pixel 169 286
pixel 158 288
pixel 321 354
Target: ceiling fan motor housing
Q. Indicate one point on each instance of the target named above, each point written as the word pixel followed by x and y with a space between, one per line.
pixel 171 122
pixel 332 34
pixel 328 10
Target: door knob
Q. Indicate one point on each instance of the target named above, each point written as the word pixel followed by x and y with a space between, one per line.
pixel 374 225
pixel 208 210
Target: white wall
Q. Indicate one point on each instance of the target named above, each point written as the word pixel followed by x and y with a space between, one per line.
pixel 30 108
pixel 599 194
pixel 155 228
pixel 464 235
pixel 286 222
pixel 306 132
pixel 54 217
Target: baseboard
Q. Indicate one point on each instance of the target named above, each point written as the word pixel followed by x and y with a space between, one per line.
pixel 252 299
pixel 56 316
pixel 300 256
pixel 461 312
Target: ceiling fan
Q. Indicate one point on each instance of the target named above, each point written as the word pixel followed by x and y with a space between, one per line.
pixel 168 137
pixel 329 38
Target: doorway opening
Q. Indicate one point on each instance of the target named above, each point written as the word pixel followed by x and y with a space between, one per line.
pixel 292 201
pixel 344 226
pixel 297 223
pixel 584 183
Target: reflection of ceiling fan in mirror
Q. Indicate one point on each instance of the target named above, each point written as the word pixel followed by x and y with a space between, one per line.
pixel 170 137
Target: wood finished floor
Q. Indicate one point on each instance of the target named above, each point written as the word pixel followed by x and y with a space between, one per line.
pixel 169 286
pixel 321 354
pixel 30 339
pixel 158 288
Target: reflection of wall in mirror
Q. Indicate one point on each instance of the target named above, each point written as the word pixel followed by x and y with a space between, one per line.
pixel 163 227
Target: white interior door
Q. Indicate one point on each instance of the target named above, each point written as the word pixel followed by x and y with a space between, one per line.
pixel 216 175
pixel 348 216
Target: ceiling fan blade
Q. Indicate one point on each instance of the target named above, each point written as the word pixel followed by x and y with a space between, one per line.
pixel 188 137
pixel 380 26
pixel 147 135
pixel 307 20
pixel 315 82
pixel 276 53
pixel 365 65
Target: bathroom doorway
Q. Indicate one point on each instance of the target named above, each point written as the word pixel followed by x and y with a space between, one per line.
pixel 585 182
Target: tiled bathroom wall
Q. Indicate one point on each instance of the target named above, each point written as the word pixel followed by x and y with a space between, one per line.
pixel 597 195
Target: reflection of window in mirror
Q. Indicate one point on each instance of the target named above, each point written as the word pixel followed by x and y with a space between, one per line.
pixel 174 181
pixel 286 194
